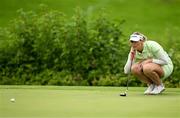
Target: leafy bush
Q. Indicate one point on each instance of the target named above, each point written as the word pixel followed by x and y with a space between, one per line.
pixel 40 44
pixel 45 48
pixel 174 80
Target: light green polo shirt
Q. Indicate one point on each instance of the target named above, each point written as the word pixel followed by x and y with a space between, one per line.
pixel 155 51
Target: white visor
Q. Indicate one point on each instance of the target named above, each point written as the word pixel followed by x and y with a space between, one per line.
pixel 135 37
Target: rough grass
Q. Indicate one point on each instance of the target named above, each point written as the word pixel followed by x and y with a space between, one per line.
pixel 158 19
pixel 86 102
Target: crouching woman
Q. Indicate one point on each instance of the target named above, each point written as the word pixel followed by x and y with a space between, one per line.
pixel 149 62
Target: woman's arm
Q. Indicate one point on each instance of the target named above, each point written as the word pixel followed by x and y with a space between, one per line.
pixel 130 61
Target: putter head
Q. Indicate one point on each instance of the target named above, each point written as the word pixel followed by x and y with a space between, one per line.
pixel 123 94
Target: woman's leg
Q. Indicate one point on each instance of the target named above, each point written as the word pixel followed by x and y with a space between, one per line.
pixel 149 73
pixel 153 72
pixel 136 70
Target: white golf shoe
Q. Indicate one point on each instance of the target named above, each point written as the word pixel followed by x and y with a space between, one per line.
pixel 149 89
pixel 158 89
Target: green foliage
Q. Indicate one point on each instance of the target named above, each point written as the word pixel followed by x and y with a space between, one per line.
pixel 46 48
pixel 174 80
pixel 38 47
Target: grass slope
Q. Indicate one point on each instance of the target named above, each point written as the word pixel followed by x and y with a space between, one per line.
pixel 86 102
pixel 159 19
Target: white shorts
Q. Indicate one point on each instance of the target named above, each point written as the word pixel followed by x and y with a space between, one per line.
pixel 168 69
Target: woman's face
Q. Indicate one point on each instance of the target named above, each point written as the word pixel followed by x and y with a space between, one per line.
pixel 137 45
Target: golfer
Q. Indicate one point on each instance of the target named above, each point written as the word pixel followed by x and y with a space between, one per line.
pixel 149 62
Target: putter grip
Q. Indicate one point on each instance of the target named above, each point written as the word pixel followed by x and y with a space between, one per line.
pixel 132 55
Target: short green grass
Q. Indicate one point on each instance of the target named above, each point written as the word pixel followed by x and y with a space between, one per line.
pixel 86 102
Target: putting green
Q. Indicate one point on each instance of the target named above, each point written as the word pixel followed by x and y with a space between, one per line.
pixel 86 102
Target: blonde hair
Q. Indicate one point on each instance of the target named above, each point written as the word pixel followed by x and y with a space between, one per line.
pixel 138 33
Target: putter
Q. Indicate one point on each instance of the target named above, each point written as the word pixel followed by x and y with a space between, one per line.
pixel 128 77
pixel 125 93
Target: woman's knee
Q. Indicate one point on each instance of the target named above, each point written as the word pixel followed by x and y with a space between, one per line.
pixel 135 69
pixel 147 68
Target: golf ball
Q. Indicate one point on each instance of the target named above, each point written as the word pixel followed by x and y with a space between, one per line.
pixel 12 99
